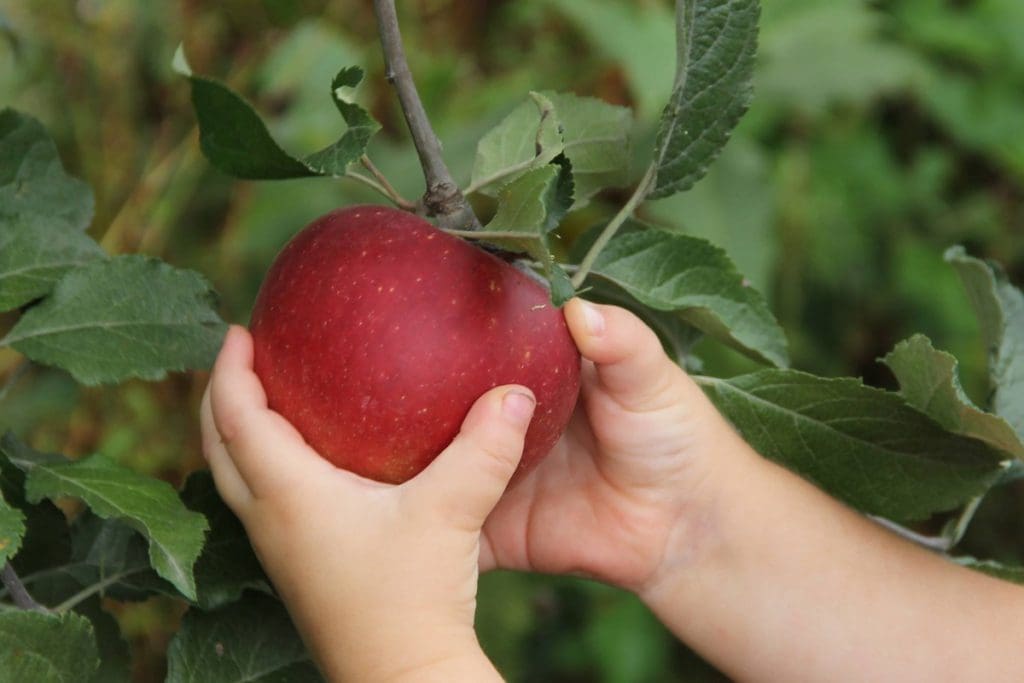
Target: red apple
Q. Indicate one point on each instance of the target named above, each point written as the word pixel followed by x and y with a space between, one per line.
pixel 375 332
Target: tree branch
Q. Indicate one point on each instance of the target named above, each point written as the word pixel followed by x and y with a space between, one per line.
pixel 443 199
pixel 19 595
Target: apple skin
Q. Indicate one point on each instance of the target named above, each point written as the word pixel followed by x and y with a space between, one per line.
pixel 375 333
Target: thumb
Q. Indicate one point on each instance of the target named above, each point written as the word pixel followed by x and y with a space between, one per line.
pixel 628 358
pixel 468 478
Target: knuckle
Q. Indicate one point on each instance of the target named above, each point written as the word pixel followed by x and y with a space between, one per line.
pixel 235 431
pixel 498 459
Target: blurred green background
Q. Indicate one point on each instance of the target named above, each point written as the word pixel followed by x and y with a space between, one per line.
pixel 881 133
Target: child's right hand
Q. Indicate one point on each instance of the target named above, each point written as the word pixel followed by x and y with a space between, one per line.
pixel 652 490
pixel 620 497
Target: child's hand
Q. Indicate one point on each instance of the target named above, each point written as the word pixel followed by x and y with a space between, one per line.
pixel 652 490
pixel 381 580
pixel 621 494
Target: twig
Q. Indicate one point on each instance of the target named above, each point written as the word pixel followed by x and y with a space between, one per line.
pixel 443 199
pixel 389 189
pixel 613 226
pixel 19 595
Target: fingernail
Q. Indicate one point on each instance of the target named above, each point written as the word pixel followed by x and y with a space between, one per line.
pixel 517 406
pixel 594 319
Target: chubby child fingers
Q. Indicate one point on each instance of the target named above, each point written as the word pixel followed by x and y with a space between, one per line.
pixel 630 363
pixel 468 478
pixel 230 485
pixel 266 449
pixel 233 381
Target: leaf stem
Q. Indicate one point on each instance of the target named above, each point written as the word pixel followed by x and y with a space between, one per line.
pixel 613 226
pixel 955 530
pixel 89 591
pixel 376 187
pixel 389 189
pixel 937 543
pixel 490 234
pixel 19 594
pixel 443 198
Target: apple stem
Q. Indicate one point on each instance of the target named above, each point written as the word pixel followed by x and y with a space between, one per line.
pixel 443 199
pixel 19 594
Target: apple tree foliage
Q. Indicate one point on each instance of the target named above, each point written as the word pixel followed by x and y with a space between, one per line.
pixel 924 451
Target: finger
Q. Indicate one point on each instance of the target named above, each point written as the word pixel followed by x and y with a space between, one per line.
pixel 467 479
pixel 629 361
pixel 229 482
pixel 267 450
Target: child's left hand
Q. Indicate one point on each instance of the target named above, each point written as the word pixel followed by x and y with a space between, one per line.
pixel 381 580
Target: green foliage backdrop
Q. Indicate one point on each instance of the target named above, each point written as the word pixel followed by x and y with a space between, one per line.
pixel 880 134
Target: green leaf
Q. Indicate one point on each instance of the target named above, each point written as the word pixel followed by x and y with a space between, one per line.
pixel 716 41
pixel 113 553
pixel 148 505
pixel 228 565
pixel 108 557
pixel 251 641
pixel 929 382
pixel 529 137
pixel 672 272
pixel 127 317
pixel 12 530
pixel 46 648
pixel 333 160
pixel 528 208
pixel 43 213
pixel 999 307
pixel 597 142
pixel 593 135
pixel 863 445
pixel 992 568
pixel 235 139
